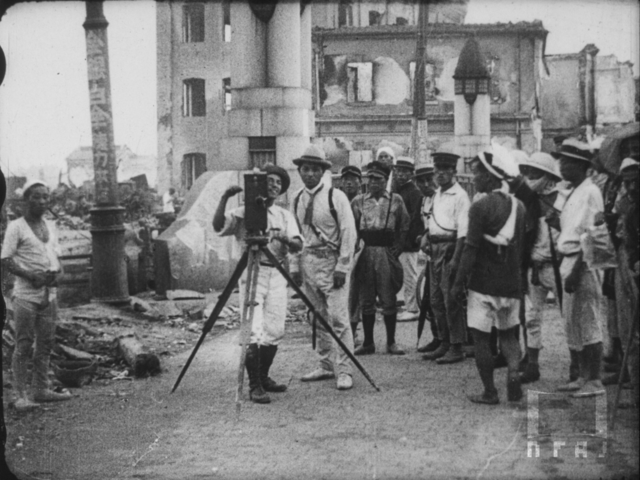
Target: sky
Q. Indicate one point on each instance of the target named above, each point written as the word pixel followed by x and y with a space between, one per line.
pixel 44 99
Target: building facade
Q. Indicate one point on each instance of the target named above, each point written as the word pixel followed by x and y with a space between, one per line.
pixel 364 91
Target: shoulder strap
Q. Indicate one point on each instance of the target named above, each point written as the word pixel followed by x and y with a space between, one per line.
pixel 332 207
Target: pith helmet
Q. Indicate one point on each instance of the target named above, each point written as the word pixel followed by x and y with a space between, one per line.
pixel 314 155
pixel 543 161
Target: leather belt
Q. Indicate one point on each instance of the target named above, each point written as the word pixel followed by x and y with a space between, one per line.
pixel 320 253
pixel 441 239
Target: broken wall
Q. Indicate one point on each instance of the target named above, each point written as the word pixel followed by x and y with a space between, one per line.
pixel 615 91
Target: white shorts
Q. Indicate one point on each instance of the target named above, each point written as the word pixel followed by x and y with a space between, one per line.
pixel 486 311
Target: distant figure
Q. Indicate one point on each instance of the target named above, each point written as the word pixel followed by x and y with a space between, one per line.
pixel 169 201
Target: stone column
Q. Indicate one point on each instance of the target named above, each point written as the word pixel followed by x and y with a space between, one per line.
pixel 283 46
pixel 306 50
pixel 249 64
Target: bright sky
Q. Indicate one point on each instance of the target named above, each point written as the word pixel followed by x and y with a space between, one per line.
pixel 44 100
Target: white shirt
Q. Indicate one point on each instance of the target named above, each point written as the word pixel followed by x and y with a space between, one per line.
pixel 279 221
pixel 579 208
pixel 31 254
pixel 340 236
pixel 167 203
pixel 450 212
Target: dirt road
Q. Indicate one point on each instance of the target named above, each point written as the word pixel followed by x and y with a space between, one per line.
pixel 420 426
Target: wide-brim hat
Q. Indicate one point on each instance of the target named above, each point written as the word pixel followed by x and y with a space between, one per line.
pixel 544 162
pixel 281 172
pixel 576 150
pixel 351 170
pixel 405 162
pixel 424 171
pixel 314 155
pixel 628 164
pixel 445 158
pixel 378 169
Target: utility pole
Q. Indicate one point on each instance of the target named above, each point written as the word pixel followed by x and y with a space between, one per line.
pixel 419 145
pixel 109 274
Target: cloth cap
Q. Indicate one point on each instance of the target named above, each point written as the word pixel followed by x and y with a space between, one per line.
pixel 281 172
pixel 572 148
pixel 388 150
pixel 315 155
pixel 424 171
pixel 629 163
pixel 351 170
pixel 405 162
pixel 543 161
pixel 378 169
pixel 30 184
pixel 446 159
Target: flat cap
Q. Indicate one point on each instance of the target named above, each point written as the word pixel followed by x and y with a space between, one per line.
pixel 351 170
pixel 424 171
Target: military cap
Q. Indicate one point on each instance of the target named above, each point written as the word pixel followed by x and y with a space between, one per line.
pixel 424 171
pixel 378 169
pixel 405 162
pixel 446 159
pixel 351 170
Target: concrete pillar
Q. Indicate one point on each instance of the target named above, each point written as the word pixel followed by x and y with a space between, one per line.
pixel 249 47
pixel 461 116
pixel 481 118
pixel 283 45
pixel 306 51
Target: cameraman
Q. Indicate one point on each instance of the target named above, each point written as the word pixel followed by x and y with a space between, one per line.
pixel 271 290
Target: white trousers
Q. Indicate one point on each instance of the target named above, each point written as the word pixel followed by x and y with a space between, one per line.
pixel 333 305
pixel 270 313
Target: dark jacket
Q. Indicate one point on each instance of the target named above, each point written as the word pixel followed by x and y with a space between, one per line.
pixel 412 198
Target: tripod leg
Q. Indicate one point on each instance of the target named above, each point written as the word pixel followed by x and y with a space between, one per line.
pixel 318 316
pixel 208 325
pixel 247 318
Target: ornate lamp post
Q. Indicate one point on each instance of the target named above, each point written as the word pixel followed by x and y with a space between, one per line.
pixel 471 77
pixel 109 275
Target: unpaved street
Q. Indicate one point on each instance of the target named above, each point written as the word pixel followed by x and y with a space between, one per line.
pixel 419 426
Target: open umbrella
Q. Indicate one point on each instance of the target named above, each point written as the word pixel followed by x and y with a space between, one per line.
pixel 610 156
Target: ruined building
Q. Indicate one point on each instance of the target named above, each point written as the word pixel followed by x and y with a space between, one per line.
pixel 356 79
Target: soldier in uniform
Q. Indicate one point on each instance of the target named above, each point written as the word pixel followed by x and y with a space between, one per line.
pixel 448 223
pixel 382 222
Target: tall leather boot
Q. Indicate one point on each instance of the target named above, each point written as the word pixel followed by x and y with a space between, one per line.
pixel 267 354
pixel 252 363
pixel 390 324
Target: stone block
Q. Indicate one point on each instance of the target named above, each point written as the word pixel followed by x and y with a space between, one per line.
pixel 286 122
pixel 234 154
pixel 283 97
pixel 245 123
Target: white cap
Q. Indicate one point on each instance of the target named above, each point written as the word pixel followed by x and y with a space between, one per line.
pixel 28 185
pixel 628 163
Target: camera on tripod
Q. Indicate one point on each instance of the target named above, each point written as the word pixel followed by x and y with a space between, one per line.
pixel 255 203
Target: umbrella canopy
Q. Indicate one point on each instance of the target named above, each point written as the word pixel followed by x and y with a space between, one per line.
pixel 610 156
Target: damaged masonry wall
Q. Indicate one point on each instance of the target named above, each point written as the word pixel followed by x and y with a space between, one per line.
pixel 349 122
